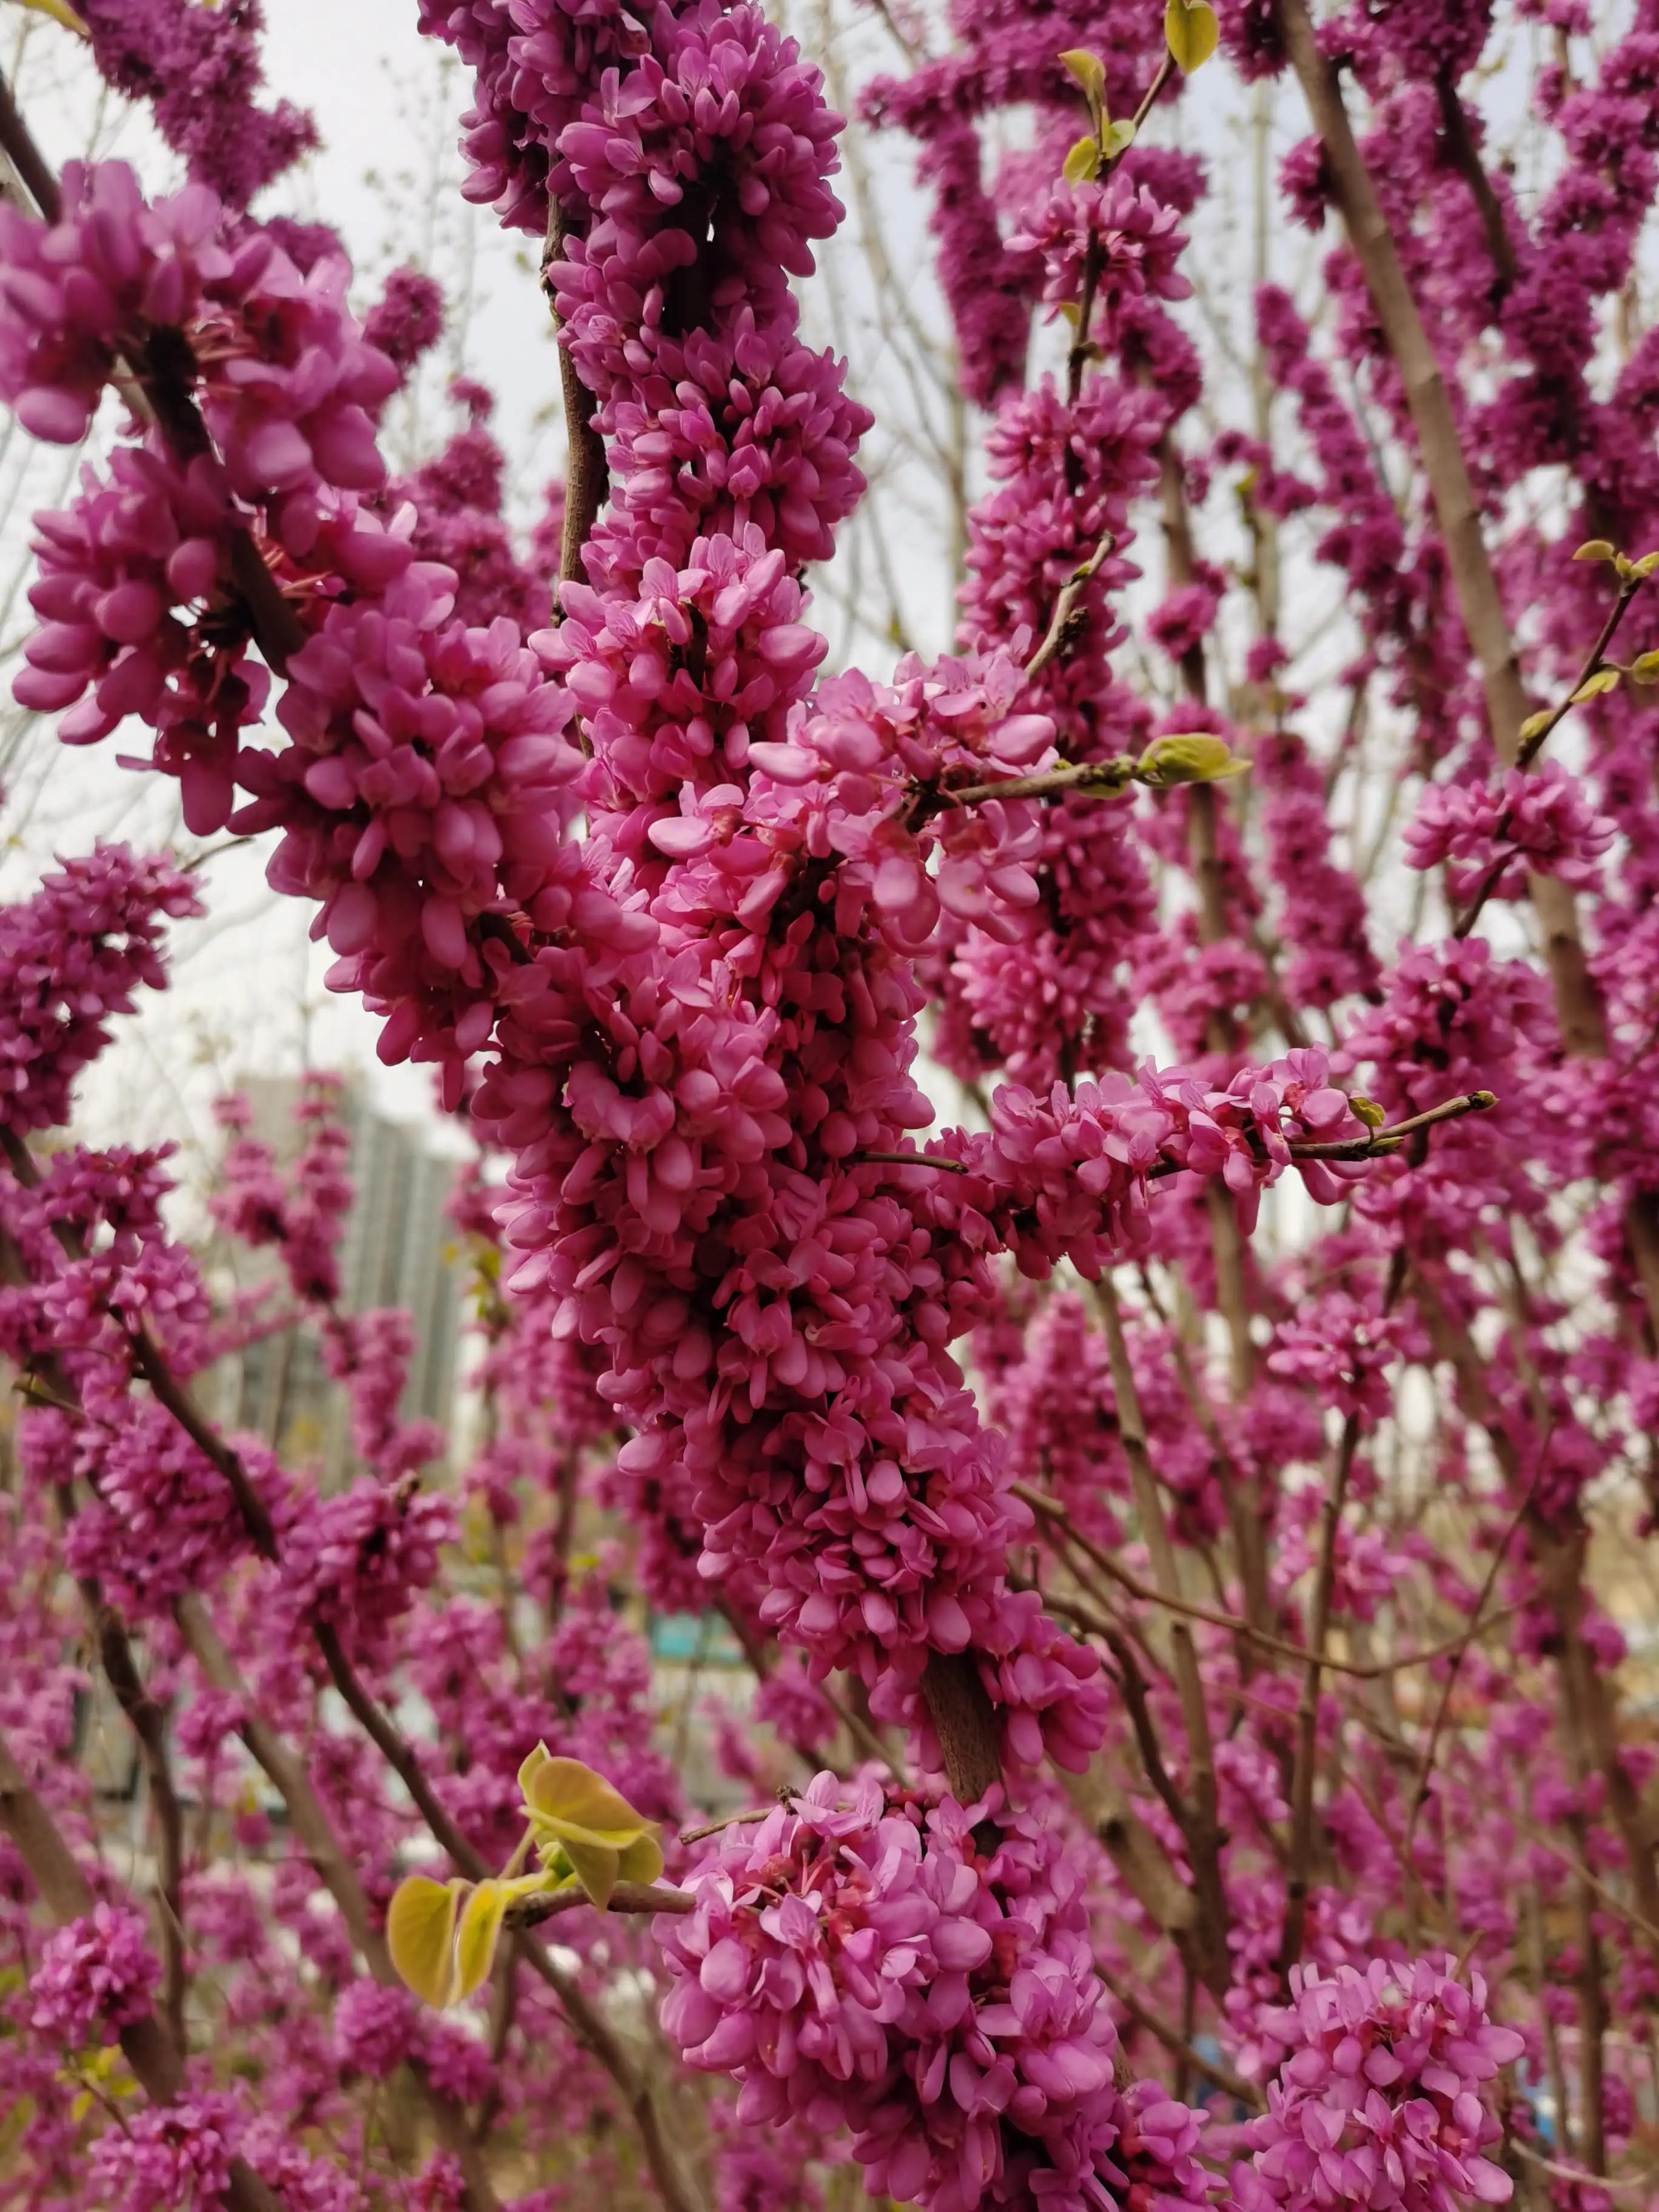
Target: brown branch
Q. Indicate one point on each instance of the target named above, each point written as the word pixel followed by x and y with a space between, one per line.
pixel 1200 1820
pixel 148 1725
pixel 1109 777
pixel 627 1897
pixel 965 1722
pixel 1466 158
pixel 1067 613
pixel 1077 360
pixel 1583 1028
pixel 1307 1711
pixel 1426 1771
pixel 35 173
pixel 1383 1141
pixel 586 473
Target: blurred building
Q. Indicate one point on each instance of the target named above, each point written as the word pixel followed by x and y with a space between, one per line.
pixel 399 1250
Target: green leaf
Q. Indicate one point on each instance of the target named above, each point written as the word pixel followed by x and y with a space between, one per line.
pixel 1196 758
pixel 1090 71
pixel 1593 687
pixel 1645 669
pixel 81 2106
pixel 570 1799
pixel 479 1932
pixel 595 1866
pixel 1193 32
pixel 1120 136
pixel 1536 723
pixel 420 1934
pixel 1369 1112
pixel 1595 549
pixel 641 1860
pixel 1647 564
pixel 1082 165
pixel 60 12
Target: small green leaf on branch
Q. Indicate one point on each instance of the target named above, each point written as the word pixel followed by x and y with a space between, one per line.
pixel 1082 165
pixel 1535 725
pixel 1596 548
pixel 1191 28
pixel 1645 669
pixel 1197 757
pixel 1593 687
pixel 1090 71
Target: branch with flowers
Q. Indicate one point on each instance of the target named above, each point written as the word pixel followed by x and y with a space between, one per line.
pixel 1122 1726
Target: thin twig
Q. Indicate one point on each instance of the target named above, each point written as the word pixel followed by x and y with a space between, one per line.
pixel 1208 2069
pixel 1420 1794
pixel 1369 1670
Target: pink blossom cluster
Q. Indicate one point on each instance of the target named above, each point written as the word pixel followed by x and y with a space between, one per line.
pixel 1378 2098
pixel 863 1959
pixel 1119 230
pixel 1487 833
pixel 1069 1178
pixel 199 71
pixel 71 956
pixel 97 1974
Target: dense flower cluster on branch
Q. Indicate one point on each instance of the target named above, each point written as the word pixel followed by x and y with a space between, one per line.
pixel 1114 1498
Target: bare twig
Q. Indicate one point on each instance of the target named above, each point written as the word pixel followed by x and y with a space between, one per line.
pixel 627 1897
pixel 1179 2046
pixel 1201 1818
pixel 1426 1771
pixel 1066 611
pixel 1367 1670
pixel 1307 1711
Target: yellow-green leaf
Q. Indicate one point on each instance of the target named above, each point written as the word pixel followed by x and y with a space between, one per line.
pixel 479 1932
pixel 60 12
pixel 568 1799
pixel 1082 165
pixel 1369 1112
pixel 596 1866
pixel 1593 687
pixel 1119 137
pixel 641 1860
pixel 1646 566
pixel 1645 668
pixel 81 2106
pixel 1595 549
pixel 1193 32
pixel 1090 71
pixel 1198 757
pixel 1535 723
pixel 420 1934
